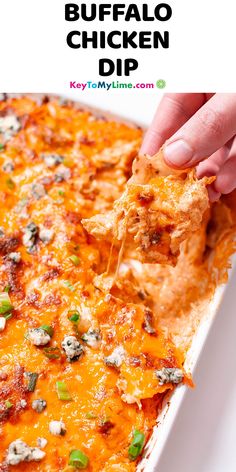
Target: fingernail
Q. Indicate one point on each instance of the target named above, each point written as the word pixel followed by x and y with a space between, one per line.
pixel 178 153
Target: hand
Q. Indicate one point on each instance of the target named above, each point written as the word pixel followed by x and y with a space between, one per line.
pixel 197 128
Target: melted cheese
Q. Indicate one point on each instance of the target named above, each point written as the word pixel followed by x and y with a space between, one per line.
pixel 155 217
pixel 60 173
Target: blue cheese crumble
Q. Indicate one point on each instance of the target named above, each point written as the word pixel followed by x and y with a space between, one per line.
pixel 116 358
pixel 169 375
pixel 19 451
pixel 9 125
pixel 52 160
pixel 38 336
pixel 57 428
pixel 72 348
pixel 92 338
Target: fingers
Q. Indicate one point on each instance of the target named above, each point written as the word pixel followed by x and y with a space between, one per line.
pixel 213 195
pixel 174 110
pixel 226 178
pixel 222 164
pixel 200 130
pixel 213 164
pixel 213 125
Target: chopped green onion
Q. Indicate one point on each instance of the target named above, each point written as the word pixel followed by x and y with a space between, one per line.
pixel 136 445
pixel 11 185
pixel 69 285
pixel 33 377
pixel 1 146
pixel 74 259
pixel 78 459
pixel 90 416
pixel 5 304
pixel 62 391
pixel 52 352
pixel 61 193
pixel 48 329
pixel 8 316
pixel 8 404
pixel 7 288
pixel 74 316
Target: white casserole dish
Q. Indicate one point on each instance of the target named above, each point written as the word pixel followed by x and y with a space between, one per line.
pixel 167 416
pixel 166 419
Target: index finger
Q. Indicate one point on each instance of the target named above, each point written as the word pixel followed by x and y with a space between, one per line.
pixel 174 110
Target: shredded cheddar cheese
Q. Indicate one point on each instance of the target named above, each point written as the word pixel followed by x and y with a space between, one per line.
pixel 84 368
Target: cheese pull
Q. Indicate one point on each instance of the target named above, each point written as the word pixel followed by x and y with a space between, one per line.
pixel 159 209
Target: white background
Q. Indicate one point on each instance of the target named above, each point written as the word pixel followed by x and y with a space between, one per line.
pixel 35 58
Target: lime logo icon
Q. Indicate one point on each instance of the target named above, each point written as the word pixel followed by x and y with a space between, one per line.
pixel 160 83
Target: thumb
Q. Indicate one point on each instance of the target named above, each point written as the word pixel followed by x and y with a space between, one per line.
pixel 207 131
